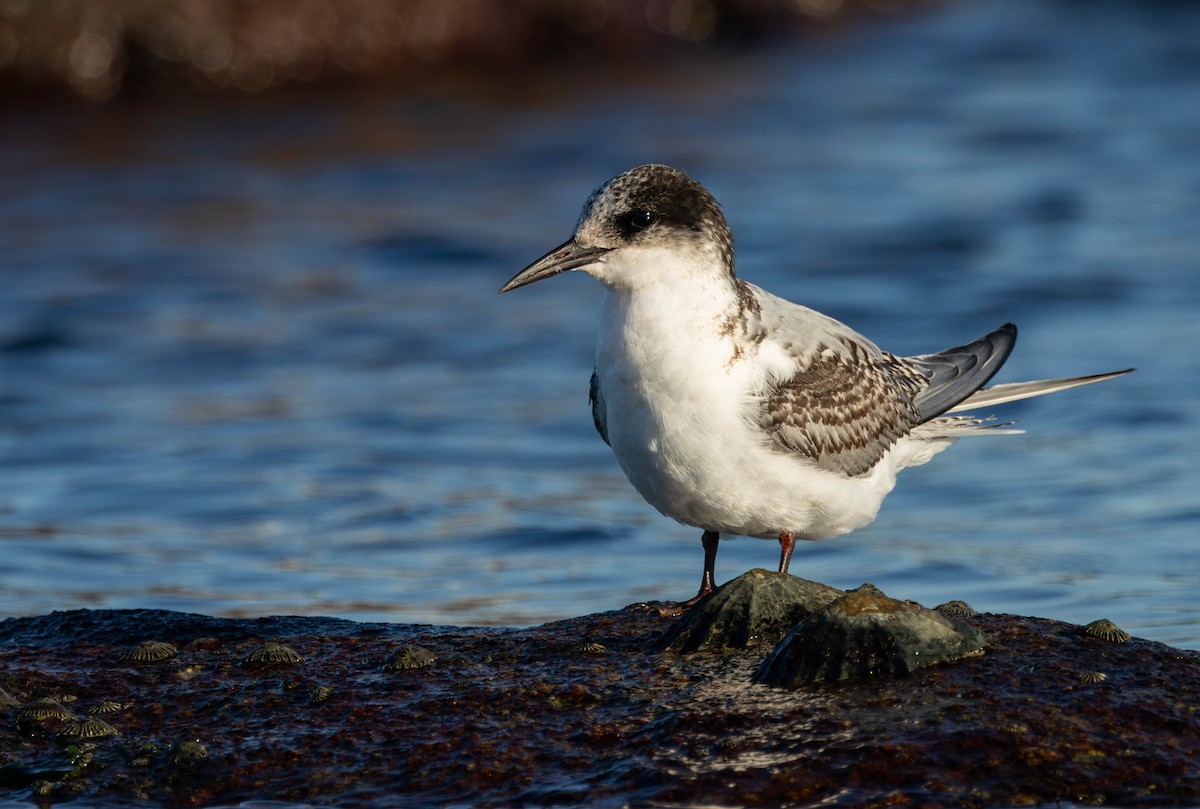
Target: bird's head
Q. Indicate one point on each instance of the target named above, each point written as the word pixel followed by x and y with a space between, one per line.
pixel 640 228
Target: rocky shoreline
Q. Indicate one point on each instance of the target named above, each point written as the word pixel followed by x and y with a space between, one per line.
pixel 178 709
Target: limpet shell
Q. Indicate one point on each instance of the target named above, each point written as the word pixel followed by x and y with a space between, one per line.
pixel 107 707
pixel 88 728
pixel 150 651
pixel 272 654
pixel 144 755
pixel 42 709
pixel 866 634
pixel 955 609
pixel 408 656
pixel 1093 677
pixel 186 752
pixel 591 648
pixel 1105 629
pixel 757 608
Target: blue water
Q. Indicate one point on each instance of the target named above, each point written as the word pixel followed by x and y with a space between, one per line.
pixel 252 359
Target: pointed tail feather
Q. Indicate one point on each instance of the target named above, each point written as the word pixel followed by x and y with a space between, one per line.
pixel 1012 391
pixel 954 427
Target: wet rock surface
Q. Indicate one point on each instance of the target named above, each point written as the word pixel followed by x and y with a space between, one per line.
pixel 864 634
pixel 755 608
pixel 538 716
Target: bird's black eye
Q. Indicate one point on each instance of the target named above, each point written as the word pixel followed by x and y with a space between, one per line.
pixel 637 221
pixel 640 220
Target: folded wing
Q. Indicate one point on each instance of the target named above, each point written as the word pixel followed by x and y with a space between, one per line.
pixel 849 402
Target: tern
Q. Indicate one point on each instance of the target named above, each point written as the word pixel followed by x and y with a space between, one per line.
pixel 738 412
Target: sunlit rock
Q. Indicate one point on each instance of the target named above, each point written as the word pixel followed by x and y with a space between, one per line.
pixel 757 607
pixel 864 633
pixel 625 727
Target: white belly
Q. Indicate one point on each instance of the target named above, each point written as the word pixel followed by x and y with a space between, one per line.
pixel 680 416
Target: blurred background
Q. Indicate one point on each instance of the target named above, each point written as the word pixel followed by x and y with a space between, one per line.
pixel 252 359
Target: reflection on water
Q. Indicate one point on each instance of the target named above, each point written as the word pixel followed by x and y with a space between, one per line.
pixel 252 359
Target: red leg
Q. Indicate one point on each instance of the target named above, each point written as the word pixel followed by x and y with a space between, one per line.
pixel 787 541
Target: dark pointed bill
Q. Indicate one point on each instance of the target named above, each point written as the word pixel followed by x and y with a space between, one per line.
pixel 567 256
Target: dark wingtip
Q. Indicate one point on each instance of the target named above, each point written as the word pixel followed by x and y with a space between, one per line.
pixel 1005 339
pixel 956 373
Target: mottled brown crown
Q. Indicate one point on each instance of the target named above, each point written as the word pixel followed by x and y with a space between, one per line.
pixel 678 203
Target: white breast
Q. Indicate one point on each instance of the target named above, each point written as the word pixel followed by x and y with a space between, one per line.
pixel 681 408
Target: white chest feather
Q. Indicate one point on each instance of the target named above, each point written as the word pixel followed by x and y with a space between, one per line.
pixel 681 395
pixel 670 378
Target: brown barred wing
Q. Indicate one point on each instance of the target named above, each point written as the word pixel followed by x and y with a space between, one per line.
pixel 845 408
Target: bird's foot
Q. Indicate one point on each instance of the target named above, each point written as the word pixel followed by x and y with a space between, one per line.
pixel 670 609
pixel 663 609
